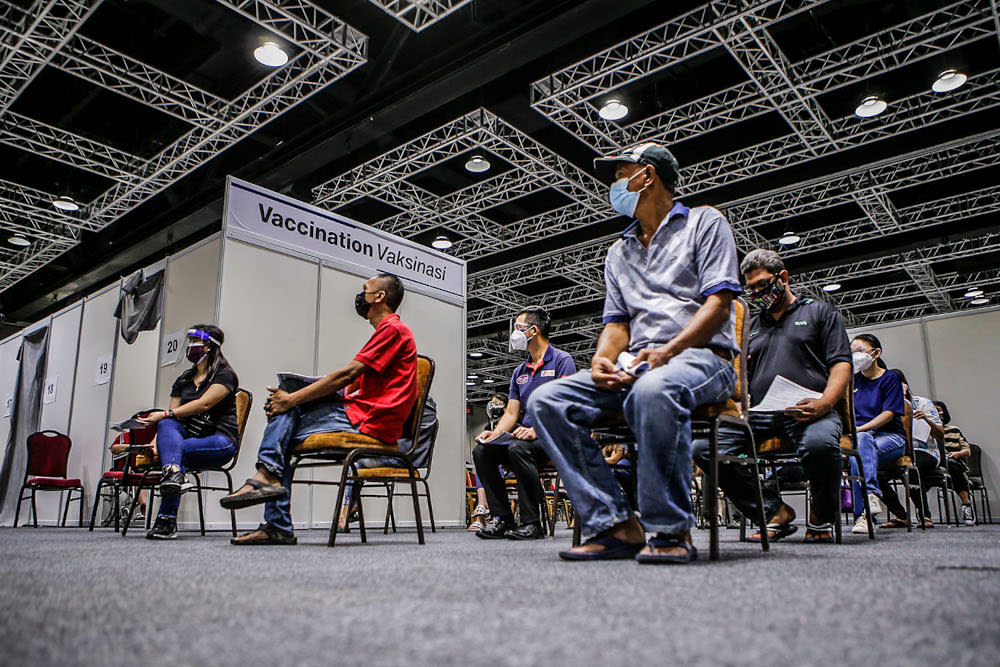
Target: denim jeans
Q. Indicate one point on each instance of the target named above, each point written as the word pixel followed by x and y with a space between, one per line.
pixel 877 450
pixel 176 449
pixel 817 443
pixel 283 432
pixel 658 410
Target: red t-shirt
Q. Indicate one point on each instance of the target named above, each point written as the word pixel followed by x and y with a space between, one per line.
pixel 388 386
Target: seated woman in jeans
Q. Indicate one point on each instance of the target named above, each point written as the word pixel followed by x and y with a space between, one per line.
pixel 199 429
pixel 925 458
pixel 878 412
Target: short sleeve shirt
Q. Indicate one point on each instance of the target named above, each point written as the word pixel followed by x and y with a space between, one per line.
pixel 925 404
pixel 223 413
pixel 873 397
pixel 388 386
pixel 808 339
pixel 657 290
pixel 555 364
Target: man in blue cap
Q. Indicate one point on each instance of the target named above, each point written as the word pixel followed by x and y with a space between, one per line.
pixel 670 282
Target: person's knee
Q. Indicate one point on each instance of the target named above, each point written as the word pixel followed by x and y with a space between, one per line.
pixel 478 454
pixel 699 450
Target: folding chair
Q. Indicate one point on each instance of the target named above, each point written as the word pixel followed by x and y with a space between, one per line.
pixel 48 453
pixel 977 483
pixel 343 449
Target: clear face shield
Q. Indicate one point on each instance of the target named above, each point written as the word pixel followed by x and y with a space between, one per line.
pixel 197 348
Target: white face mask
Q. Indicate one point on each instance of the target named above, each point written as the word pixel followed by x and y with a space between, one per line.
pixel 518 340
pixel 861 361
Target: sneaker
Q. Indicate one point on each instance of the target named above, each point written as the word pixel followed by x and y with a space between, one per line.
pixel 968 516
pixel 496 529
pixel 164 528
pixel 874 504
pixel 861 525
pixel 140 515
pixel 172 482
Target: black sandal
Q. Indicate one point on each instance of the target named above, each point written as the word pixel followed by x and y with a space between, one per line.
pixel 262 493
pixel 822 533
pixel 271 536
pixel 781 531
pixel 666 542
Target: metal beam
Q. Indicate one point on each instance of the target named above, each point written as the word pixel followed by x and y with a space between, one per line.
pixel 419 14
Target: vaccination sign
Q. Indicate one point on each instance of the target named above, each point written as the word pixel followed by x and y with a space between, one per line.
pixel 271 215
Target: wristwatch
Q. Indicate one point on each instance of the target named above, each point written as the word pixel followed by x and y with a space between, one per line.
pixel 170 413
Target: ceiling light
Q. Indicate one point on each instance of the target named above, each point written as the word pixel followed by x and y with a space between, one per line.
pixel 475 355
pixel 613 109
pixel 488 381
pixel 832 287
pixel 472 377
pixel 470 384
pixel 948 80
pixel 65 204
pixel 972 293
pixel 19 240
pixel 442 242
pixel 789 238
pixel 980 301
pixel 477 164
pixel 871 106
pixel 270 54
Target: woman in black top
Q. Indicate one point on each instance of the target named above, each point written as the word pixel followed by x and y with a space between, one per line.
pixel 199 428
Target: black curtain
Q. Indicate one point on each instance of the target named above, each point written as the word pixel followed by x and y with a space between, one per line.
pixel 25 413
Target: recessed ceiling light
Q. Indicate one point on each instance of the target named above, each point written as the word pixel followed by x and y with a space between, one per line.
pixel 19 240
pixel 270 54
pixel 832 287
pixel 442 242
pixel 65 204
pixel 871 106
pixel 472 377
pixel 948 80
pixel 613 109
pixel 789 238
pixel 477 164
pixel 475 355
pixel 980 301
pixel 488 381
pixel 470 384
pixel 972 293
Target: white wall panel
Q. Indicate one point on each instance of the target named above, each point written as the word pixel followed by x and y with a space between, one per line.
pixel 88 421
pixel 63 338
pixel 268 312
pixel 903 348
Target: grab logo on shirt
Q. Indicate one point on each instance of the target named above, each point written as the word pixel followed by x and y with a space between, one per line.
pixel 523 379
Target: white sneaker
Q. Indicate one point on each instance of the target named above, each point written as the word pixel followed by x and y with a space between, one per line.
pixel 968 516
pixel 874 504
pixel 860 526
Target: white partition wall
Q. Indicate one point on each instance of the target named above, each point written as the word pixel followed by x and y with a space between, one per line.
pixel 903 348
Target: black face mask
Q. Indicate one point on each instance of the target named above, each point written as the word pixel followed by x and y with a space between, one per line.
pixel 360 305
pixel 771 297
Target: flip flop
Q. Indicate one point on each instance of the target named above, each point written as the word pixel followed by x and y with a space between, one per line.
pixel 825 536
pixel 614 549
pixel 895 523
pixel 271 536
pixel 262 493
pixel 658 542
pixel 781 531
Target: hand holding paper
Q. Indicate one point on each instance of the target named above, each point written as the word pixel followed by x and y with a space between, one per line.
pixel 783 395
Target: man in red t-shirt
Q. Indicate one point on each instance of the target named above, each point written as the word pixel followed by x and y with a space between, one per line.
pixel 373 395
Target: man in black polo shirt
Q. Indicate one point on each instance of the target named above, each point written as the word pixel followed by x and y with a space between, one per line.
pixel 805 341
pixel 514 446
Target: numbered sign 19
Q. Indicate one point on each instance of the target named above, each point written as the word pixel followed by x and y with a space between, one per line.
pixel 171 351
pixel 102 374
pixel 51 390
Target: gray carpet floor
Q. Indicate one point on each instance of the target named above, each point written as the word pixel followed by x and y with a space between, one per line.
pixel 69 597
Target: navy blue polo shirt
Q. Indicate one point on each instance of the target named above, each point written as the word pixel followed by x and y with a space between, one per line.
pixel 873 397
pixel 555 364
pixel 802 345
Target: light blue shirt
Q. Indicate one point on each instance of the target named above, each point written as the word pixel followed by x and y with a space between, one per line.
pixel 930 445
pixel 657 290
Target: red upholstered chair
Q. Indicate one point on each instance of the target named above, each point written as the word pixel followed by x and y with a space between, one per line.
pixel 126 470
pixel 48 452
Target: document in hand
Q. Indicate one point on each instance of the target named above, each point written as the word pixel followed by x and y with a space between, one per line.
pixel 127 425
pixel 290 382
pixel 921 430
pixel 504 438
pixel 626 361
pixel 782 395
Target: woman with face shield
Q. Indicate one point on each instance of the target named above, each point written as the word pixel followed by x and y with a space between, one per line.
pixel 199 428
pixel 878 412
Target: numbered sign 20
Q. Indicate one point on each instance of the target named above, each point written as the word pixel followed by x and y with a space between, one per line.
pixel 171 351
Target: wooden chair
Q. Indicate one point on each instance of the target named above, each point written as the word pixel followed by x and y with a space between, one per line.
pixel 904 469
pixel 343 449
pixel 48 453
pixel 152 473
pixel 782 451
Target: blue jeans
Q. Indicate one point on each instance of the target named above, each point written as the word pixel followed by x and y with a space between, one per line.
pixel 817 443
pixel 877 450
pixel 283 432
pixel 658 409
pixel 198 453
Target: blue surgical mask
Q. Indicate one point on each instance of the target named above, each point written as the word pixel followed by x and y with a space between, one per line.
pixel 622 200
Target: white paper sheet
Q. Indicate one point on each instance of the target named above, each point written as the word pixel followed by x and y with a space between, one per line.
pixel 783 394
pixel 921 430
